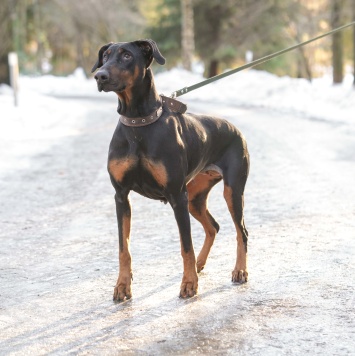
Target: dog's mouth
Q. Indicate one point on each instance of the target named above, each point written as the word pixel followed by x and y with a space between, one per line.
pixel 100 87
pixel 107 87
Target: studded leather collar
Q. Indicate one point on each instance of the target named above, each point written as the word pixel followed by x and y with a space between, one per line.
pixel 169 104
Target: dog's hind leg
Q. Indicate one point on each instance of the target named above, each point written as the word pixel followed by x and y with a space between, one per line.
pixel 189 283
pixel 234 183
pixel 198 190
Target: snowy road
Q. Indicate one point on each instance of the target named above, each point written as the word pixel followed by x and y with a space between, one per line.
pixel 58 256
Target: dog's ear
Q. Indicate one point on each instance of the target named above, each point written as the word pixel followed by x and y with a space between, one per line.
pixel 150 51
pixel 98 64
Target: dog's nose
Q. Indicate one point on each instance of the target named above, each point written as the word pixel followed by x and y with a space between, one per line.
pixel 102 76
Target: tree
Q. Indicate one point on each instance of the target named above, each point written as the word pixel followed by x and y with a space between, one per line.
pixel 7 17
pixel 164 19
pixel 210 19
pixel 187 33
pixel 225 30
pixel 76 43
pixel 337 41
pixel 67 33
pixel 353 12
pixel 304 20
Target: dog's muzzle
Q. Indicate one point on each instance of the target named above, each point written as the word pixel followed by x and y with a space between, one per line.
pixel 102 77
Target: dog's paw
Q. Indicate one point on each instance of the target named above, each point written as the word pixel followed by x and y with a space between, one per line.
pixel 189 286
pixel 239 276
pixel 200 265
pixel 122 292
pixel 123 289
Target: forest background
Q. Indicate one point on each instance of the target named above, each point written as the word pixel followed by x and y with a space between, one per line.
pixel 57 36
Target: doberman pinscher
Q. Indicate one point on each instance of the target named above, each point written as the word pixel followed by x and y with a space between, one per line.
pixel 162 153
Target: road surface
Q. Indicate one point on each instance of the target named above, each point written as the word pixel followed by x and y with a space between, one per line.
pixel 58 256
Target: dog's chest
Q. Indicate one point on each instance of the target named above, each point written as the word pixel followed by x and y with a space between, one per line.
pixel 133 170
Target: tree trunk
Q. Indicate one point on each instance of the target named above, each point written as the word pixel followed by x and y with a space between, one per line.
pixel 354 42
pixel 213 69
pixel 187 33
pixel 4 70
pixel 8 16
pixel 305 65
pixel 38 29
pixel 337 43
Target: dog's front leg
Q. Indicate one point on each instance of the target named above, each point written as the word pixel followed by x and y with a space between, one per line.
pixel 123 210
pixel 189 284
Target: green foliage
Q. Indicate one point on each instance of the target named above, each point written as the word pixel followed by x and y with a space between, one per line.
pixel 225 30
pixel 283 65
pixel 165 29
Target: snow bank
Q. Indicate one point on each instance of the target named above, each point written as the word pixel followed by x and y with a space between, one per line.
pixel 252 88
pixel 319 99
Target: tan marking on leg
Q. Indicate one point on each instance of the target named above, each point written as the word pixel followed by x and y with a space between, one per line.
pixel 240 273
pixel 227 193
pixel 189 283
pixel 157 170
pixel 123 289
pixel 119 167
pixel 203 182
pixel 198 184
pixel 211 233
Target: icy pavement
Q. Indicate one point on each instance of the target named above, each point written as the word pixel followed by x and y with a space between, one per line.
pixel 58 256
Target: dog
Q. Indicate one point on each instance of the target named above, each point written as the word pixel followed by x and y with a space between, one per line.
pixel 163 153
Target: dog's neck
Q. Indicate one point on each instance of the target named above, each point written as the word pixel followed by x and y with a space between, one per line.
pixel 141 100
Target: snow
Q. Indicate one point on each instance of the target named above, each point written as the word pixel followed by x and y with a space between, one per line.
pixel 319 99
pixel 40 114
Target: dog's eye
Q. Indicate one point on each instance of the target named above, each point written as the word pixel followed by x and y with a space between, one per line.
pixel 127 55
pixel 104 58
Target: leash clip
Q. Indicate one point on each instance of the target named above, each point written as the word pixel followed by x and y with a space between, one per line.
pixel 182 91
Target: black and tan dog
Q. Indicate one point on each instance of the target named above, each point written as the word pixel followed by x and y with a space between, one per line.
pixel 162 153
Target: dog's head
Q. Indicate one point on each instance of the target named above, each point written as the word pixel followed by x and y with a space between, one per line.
pixel 124 64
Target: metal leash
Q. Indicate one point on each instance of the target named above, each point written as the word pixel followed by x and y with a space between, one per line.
pixel 185 90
